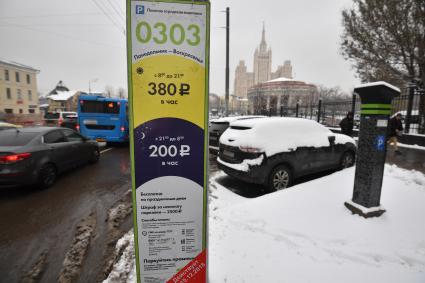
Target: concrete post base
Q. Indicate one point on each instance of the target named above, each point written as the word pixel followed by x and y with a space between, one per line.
pixel 364 211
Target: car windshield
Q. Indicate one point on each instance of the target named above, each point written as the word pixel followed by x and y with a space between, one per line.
pixel 219 126
pixel 15 138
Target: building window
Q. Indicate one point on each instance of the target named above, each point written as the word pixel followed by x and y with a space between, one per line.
pixel 21 111
pixel 29 95
pixel 18 92
pixel 31 111
pixel 8 111
pixel 6 75
pixel 8 93
pixel 28 79
pixel 17 77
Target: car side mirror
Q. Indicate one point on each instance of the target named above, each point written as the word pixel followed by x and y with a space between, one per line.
pixel 331 140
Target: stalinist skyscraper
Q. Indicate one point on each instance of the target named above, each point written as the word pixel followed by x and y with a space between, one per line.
pixel 262 69
pixel 262 61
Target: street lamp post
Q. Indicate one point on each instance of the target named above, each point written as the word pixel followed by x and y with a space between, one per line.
pixel 227 58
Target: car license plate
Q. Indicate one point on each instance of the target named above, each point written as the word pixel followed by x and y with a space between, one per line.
pixel 228 153
pixel 90 122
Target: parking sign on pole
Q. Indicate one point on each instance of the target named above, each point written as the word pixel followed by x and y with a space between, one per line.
pixel 167 50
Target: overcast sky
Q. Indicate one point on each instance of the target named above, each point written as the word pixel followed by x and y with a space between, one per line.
pixel 82 40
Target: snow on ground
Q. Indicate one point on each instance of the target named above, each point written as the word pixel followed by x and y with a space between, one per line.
pixel 414 146
pixel 305 234
pixel 124 269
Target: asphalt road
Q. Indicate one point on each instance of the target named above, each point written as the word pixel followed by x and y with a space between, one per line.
pixel 38 227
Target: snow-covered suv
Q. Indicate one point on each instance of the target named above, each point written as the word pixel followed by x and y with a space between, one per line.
pixel 274 151
pixel 218 126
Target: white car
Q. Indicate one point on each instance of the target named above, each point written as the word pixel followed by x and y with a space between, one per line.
pixel 55 119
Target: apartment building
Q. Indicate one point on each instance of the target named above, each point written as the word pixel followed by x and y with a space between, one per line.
pixel 18 88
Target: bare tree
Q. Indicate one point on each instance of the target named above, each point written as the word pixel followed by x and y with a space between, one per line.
pixel 332 94
pixel 109 91
pixel 385 39
pixel 122 93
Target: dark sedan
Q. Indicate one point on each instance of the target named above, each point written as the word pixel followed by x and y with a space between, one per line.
pixel 275 151
pixel 37 155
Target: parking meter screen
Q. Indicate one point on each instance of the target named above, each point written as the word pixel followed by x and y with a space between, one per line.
pixel 168 76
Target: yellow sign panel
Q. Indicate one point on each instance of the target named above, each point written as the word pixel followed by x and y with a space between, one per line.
pixel 168 96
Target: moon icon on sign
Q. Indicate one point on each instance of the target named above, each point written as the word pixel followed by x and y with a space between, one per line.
pixel 143 135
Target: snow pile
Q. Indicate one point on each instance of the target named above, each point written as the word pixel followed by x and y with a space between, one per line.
pixel 413 146
pixel 276 134
pixel 244 166
pixel 305 233
pixel 408 177
pixel 125 269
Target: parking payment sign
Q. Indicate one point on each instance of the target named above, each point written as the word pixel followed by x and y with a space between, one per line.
pixel 168 45
pixel 380 143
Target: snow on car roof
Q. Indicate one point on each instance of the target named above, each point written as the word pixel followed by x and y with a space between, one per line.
pixel 234 118
pixel 276 134
pixel 287 122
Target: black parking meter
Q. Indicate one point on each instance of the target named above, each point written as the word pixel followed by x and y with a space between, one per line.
pixel 375 111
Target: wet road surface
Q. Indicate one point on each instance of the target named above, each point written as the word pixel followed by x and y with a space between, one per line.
pixel 411 159
pixel 43 222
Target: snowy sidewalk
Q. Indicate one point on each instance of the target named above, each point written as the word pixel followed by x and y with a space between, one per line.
pixel 305 234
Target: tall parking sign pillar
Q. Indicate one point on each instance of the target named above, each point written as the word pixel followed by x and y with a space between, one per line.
pixel 375 111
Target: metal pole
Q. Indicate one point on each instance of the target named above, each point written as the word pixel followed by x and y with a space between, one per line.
pixel 319 110
pixel 296 109
pixel 412 87
pixel 227 58
pixel 353 104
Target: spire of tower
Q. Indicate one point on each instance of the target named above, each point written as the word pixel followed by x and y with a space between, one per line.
pixel 263 44
pixel 263 36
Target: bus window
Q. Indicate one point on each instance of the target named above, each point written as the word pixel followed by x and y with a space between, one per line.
pixel 107 107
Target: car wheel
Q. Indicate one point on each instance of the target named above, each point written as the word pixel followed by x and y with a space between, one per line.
pixel 47 176
pixel 347 160
pixel 95 156
pixel 280 178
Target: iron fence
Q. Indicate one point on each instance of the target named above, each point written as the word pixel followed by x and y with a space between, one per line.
pixel 330 113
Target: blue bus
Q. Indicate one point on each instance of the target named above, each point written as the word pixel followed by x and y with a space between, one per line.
pixel 103 119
